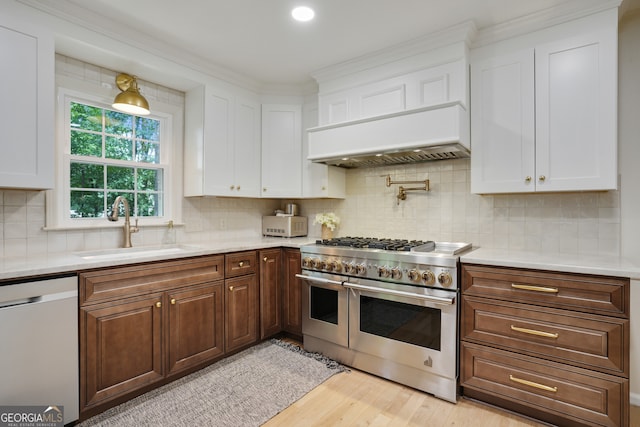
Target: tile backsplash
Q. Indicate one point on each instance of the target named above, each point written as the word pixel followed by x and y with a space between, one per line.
pixel 573 223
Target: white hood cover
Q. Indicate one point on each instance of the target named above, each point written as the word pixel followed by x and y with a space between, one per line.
pixel 434 133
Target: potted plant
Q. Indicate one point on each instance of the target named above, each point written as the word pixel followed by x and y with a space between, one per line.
pixel 329 221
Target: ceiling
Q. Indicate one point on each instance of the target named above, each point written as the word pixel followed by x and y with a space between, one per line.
pixel 258 39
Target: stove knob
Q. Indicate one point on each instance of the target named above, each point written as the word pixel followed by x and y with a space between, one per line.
pixel 445 279
pixel 335 266
pixel 349 267
pixel 361 269
pixel 396 273
pixel 428 277
pixel 317 263
pixel 329 265
pixel 306 262
pixel 414 275
pixel 383 271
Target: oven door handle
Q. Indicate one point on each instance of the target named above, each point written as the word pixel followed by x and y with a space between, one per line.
pixel 320 280
pixel 436 300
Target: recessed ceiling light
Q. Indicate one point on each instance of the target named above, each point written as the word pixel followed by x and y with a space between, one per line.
pixel 303 13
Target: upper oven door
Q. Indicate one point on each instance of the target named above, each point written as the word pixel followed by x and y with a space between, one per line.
pixel 324 307
pixel 411 325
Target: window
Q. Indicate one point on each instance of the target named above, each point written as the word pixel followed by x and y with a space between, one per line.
pixel 102 153
pixel 112 154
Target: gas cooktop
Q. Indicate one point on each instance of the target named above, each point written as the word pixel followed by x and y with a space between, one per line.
pixel 374 243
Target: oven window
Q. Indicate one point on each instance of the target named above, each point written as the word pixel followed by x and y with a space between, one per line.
pixel 324 304
pixel 402 322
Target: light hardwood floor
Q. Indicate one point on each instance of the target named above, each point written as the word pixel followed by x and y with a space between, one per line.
pixel 358 399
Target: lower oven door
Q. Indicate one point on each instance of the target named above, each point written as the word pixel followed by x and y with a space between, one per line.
pixel 410 325
pixel 324 307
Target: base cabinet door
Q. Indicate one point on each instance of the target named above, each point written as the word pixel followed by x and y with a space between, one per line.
pixel 270 305
pixel 195 329
pixel 291 296
pixel 241 312
pixel 122 348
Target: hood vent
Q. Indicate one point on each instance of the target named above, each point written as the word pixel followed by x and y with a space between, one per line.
pixel 441 152
pixel 426 134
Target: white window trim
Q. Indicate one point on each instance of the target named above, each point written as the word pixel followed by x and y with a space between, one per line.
pixel 57 206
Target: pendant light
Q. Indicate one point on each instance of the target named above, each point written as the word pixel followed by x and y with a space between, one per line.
pixel 129 99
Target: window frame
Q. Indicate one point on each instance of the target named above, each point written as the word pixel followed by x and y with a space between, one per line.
pixel 58 199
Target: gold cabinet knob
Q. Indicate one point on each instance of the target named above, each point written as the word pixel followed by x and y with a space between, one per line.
pixel 232 187
pixel 527 179
pixel 158 304
pixel 173 301
pixel 241 263
pixel 542 178
pixel 265 259
pixel 231 288
pixel 324 188
pixel 238 188
pixel 264 189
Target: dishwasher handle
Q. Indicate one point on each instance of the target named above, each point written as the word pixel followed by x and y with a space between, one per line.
pixel 37 299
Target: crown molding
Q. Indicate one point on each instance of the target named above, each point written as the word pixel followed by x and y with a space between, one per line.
pixel 564 12
pixel 463 32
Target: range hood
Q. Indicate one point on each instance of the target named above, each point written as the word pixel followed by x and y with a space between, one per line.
pixel 434 133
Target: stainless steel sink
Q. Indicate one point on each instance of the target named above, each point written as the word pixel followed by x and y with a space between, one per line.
pixel 138 252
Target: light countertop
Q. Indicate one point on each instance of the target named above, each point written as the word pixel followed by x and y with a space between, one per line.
pixel 51 264
pixel 59 263
pixel 585 264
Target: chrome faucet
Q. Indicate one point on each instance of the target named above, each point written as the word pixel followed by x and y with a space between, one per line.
pixel 128 229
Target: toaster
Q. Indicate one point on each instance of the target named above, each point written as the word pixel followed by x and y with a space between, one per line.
pixel 284 226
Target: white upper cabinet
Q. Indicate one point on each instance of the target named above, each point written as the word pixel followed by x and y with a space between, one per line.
pixel 544 110
pixel 27 75
pixel 222 144
pixel 281 150
pixel 319 180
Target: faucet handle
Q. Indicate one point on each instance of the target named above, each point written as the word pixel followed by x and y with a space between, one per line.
pixel 135 228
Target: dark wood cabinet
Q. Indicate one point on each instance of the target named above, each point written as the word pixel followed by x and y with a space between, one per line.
pixel 241 312
pixel 270 295
pixel 291 293
pixel 241 300
pixel 141 324
pixel 553 346
pixel 195 325
pixel 120 348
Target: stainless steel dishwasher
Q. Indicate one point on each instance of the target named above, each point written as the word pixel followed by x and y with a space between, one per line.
pixel 39 344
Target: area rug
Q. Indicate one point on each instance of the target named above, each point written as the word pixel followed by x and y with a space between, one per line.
pixel 246 389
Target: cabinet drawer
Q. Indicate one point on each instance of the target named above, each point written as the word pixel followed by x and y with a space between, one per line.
pixel 546 390
pixel 240 263
pixel 118 282
pixel 589 341
pixel 591 294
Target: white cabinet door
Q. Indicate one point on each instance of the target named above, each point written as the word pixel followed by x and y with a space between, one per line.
pixel 247 152
pixel 27 74
pixel 319 180
pixel 576 120
pixel 502 124
pixel 222 144
pixel 281 150
pixel 545 118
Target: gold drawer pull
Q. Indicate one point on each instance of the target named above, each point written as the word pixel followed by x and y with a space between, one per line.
pixel 158 304
pixel 535 288
pixel 173 301
pixel 532 384
pixel 265 259
pixel 534 332
pixel 241 263
pixel 231 288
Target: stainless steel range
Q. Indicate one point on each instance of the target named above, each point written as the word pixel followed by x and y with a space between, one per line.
pixel 388 307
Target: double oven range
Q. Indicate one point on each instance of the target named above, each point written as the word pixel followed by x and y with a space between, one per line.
pixel 388 307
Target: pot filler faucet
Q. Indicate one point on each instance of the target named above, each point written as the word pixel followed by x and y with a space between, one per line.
pixel 128 229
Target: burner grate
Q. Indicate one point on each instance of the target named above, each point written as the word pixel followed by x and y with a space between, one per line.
pixel 374 243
